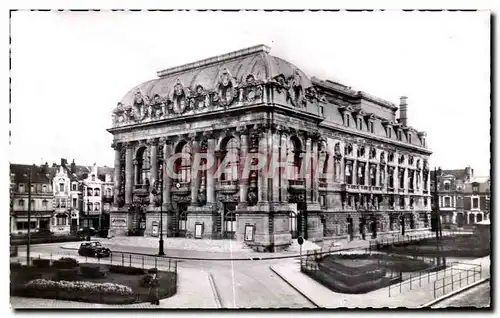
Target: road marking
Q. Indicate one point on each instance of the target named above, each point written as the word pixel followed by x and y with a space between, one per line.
pixel 214 290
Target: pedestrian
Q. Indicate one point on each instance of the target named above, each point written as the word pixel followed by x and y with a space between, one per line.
pixel 154 289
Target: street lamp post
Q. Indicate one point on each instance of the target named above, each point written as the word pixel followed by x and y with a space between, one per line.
pixel 158 187
pixel 29 218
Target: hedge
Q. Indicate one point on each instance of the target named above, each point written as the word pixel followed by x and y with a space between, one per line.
pixel 350 276
pixel 65 263
pixel 125 270
pixel 41 262
pixel 91 271
pixel 78 291
pixel 66 274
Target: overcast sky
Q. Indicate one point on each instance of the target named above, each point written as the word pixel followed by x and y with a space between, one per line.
pixel 69 70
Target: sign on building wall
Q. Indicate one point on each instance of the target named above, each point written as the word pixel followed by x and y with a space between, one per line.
pixel 119 222
pixel 154 228
pixel 198 230
pixel 249 232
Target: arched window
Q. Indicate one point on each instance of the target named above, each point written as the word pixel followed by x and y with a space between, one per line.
pixel 182 166
pixel 89 192
pixel 93 177
pixel 44 188
pixel 90 206
pixel 231 159
pixel 97 192
pixel 97 206
pixel 140 177
pixel 108 192
pixel 294 158
pixel 391 178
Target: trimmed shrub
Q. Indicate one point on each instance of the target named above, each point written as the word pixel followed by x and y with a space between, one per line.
pixel 66 274
pixel 15 265
pixel 41 263
pixel 125 270
pixel 91 271
pixel 79 291
pixel 65 263
pixel 146 280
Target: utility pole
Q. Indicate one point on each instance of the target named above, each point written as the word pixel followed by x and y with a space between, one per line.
pixel 29 217
pixel 436 212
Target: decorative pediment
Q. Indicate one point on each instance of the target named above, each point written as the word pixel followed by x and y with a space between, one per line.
pixel 346 108
pixel 387 123
pixel 370 116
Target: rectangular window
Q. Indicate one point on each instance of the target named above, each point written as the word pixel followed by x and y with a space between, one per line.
pixel 74 187
pixel 61 220
pixel 321 111
pixel 21 203
pixel 347 120
pixel 389 131
pixel 74 203
pixel 21 188
pixel 475 203
pixel 24 225
pixel 409 138
pixel 61 187
pixel 360 124
pixel 370 126
pixel 45 204
pixel 399 134
pixel 447 186
pixel 447 202
pixel 475 189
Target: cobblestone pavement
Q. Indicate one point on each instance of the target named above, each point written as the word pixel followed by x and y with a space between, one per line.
pixel 478 296
pixel 413 295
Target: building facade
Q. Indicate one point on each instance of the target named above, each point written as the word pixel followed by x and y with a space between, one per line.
pixel 42 198
pixel 463 197
pixel 246 146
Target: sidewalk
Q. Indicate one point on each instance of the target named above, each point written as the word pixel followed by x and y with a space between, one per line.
pixel 194 290
pixel 420 293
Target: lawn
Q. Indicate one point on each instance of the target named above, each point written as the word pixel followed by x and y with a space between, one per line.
pixel 453 246
pixel 140 293
pixel 362 273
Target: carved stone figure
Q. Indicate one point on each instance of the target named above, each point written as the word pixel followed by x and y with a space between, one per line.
pixel 179 98
pixel 337 153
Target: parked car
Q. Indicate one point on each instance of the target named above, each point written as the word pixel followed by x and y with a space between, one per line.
pixel 90 231
pixel 93 249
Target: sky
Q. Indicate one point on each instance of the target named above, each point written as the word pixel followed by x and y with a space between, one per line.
pixel 69 70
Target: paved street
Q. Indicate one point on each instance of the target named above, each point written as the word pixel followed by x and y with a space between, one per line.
pixel 478 296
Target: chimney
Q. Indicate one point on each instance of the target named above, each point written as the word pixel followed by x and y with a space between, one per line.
pixel 469 173
pixel 64 162
pixel 73 167
pixel 403 111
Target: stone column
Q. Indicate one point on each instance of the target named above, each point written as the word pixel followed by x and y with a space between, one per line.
pixel 244 179
pixel 136 172
pixel 117 182
pixel 307 169
pixel 315 169
pixel 396 179
pixel 262 178
pixel 194 174
pixel 274 164
pixel 354 171
pixel 284 173
pixel 212 161
pixel 153 144
pixel 367 173
pixel 167 173
pixel 129 173
pixel 377 175
pixel 405 179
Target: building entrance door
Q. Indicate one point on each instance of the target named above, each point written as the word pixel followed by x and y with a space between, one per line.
pixel 44 224
pixel 229 223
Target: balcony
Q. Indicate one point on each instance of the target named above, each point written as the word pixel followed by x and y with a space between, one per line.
pixel 181 188
pixel 322 183
pixel 376 188
pixel 227 186
pixel 297 184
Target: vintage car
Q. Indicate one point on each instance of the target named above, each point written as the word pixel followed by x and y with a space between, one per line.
pixel 93 249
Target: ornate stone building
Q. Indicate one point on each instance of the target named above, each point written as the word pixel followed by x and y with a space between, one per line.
pixel 348 165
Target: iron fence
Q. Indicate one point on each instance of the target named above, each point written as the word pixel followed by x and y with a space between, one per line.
pixel 143 261
pixel 459 277
pixel 411 238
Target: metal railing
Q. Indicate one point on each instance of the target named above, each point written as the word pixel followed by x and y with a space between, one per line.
pixel 143 261
pixel 459 277
pixel 410 238
pixel 416 279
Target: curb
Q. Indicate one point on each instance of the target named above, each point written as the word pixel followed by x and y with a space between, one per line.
pixel 453 293
pixel 214 290
pixel 293 286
